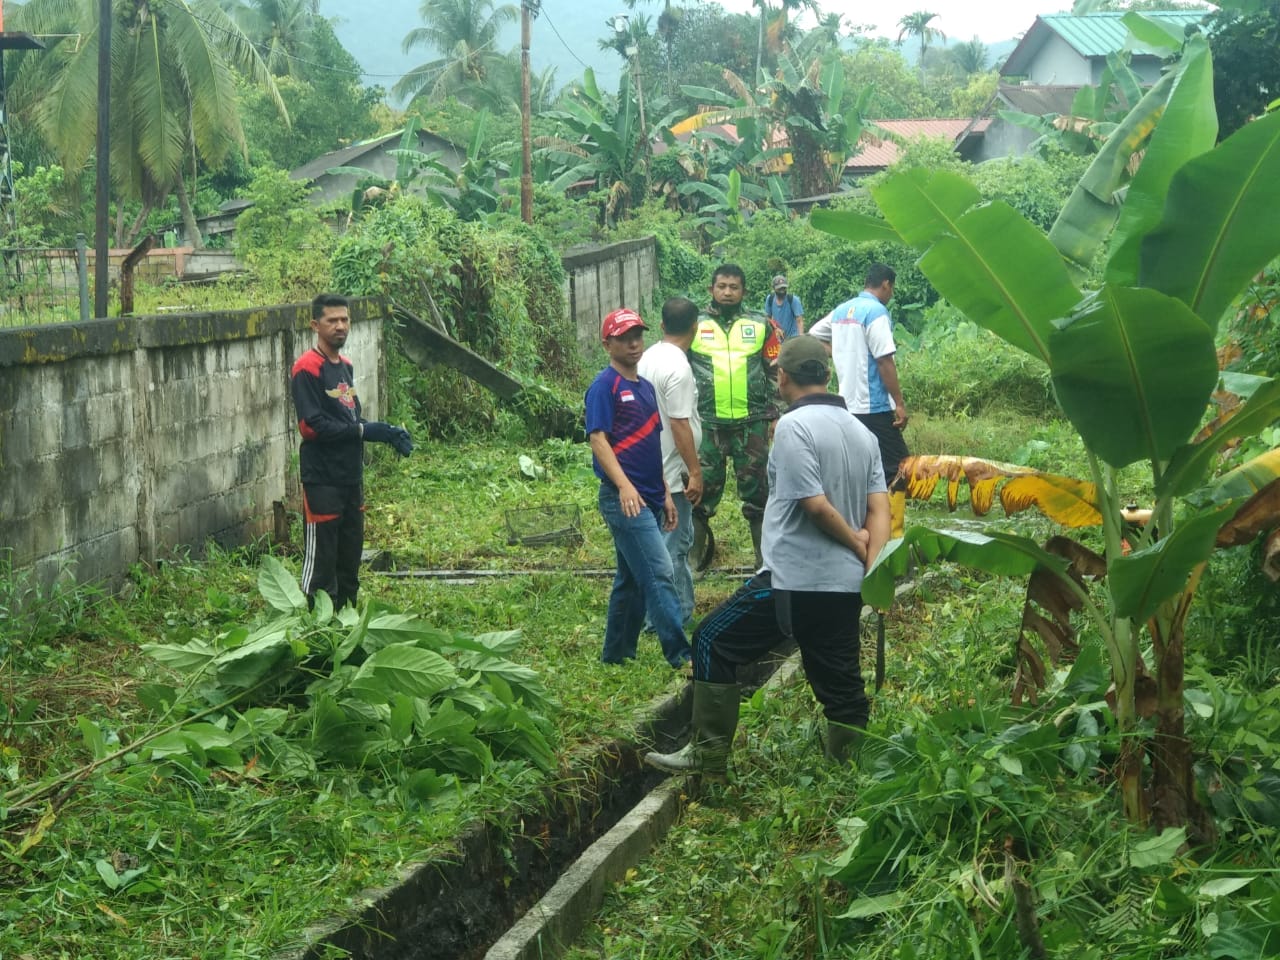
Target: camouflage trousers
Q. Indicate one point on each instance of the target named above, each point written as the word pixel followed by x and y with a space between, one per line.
pixel 747 444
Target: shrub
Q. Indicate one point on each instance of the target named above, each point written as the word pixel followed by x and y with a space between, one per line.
pixel 496 289
pixel 955 368
pixel 282 237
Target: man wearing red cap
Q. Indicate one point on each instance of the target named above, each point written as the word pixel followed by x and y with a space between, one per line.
pixel 624 427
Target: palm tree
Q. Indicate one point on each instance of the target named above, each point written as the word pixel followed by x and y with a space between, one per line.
pixel 173 91
pixel 464 33
pixel 917 25
pixel 281 29
pixel 969 57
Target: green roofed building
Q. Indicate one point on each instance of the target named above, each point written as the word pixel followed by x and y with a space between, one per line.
pixel 1065 50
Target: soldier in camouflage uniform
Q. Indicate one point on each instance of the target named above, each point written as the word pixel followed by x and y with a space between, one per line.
pixel 732 356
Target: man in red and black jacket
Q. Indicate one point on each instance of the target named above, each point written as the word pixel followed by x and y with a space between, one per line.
pixel 332 455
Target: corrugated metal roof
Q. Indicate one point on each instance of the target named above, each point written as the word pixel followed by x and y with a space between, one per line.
pixel 1038 98
pixel 1097 34
pixel 877 153
pixel 1092 34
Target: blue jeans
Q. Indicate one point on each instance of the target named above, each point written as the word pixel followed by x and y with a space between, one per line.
pixel 645 580
pixel 679 542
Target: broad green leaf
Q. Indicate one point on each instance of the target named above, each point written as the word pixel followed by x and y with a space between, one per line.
pixel 1001 272
pixel 335 734
pixel 1133 370
pixel 1219 222
pixel 498 642
pixel 108 874
pixel 447 723
pixel 1191 463
pixel 1090 212
pixel 323 610
pixel 1002 554
pixel 707 95
pixel 156 697
pixel 201 737
pixel 1145 579
pixel 279 588
pixel 243 666
pixel 1223 886
pixel 402 668
pixel 863 907
pixel 1154 851
pixel 852 226
pixel 1170 901
pixel 422 785
pixel 1247 479
pixel 400 724
pixel 1154 34
pixel 189 657
pixel 921 205
pixel 387 627
pixel 258 722
pixel 93 737
pixel 1188 128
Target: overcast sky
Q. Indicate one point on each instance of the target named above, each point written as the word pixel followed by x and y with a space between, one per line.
pixel 989 20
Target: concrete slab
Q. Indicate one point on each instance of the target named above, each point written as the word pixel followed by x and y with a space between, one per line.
pixel 555 921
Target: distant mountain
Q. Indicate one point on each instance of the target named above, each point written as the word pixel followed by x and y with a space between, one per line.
pixel 564 36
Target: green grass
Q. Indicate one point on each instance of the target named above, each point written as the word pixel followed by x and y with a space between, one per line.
pixel 236 864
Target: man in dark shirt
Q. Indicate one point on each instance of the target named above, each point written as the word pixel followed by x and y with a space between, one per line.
pixel 331 457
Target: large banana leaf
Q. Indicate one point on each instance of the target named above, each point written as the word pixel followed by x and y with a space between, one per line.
pixel 1219 225
pixel 998 553
pixel 1248 478
pixel 1191 463
pixel 1003 274
pixel 1133 370
pixel 1145 579
pixel 856 227
pixel 1188 128
pixel 1090 212
pixel 1065 500
pixel 921 205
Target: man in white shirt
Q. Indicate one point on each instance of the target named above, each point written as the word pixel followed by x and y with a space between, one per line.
pixel 666 366
pixel 860 332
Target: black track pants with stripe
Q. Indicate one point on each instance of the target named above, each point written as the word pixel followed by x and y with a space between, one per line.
pixel 334 541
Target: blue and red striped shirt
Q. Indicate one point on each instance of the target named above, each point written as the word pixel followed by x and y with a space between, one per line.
pixel 627 412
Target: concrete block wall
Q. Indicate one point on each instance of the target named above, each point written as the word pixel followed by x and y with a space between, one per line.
pixel 126 440
pixel 602 278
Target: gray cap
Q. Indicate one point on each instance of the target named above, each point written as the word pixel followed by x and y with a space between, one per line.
pixel 805 356
pixel 779 282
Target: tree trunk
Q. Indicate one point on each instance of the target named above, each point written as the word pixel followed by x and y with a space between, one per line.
pixel 1173 802
pixel 188 217
pixel 131 238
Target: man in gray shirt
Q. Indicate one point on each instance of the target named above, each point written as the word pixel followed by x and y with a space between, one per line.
pixel 826 520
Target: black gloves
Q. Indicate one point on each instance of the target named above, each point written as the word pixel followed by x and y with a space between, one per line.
pixel 376 431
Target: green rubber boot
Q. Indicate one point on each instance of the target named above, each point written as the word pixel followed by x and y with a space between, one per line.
pixel 715 719
pixel 757 533
pixel 842 741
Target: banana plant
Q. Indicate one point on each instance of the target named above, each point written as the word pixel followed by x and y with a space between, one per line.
pixel 1133 367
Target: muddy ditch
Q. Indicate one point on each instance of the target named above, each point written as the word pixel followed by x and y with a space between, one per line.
pixel 457 907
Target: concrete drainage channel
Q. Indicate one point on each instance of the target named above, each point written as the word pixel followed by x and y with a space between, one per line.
pixel 545 881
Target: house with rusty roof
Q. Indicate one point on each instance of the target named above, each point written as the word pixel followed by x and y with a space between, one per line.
pixel 1061 53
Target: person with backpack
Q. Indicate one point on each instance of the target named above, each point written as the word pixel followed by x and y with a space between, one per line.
pixel 784 309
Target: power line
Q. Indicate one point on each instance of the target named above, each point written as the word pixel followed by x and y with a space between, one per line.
pixel 546 17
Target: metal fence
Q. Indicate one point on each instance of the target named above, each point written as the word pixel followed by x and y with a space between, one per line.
pixel 44 285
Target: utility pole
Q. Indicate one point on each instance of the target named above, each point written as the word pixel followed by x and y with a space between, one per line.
pixel 528 10
pixel 622 27
pixel 101 224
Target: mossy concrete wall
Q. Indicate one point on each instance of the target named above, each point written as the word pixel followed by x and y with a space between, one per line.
pixel 602 278
pixel 127 440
